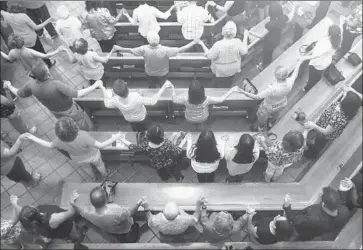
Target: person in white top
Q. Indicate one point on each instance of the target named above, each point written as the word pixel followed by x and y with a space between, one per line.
pixel 131 105
pixel 145 15
pixel 322 55
pixel 68 27
pixel 91 62
pixel 205 155
pixel 240 158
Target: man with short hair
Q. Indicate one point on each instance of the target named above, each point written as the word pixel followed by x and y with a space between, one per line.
pixel 111 217
pixel 156 58
pixel 172 221
pixel 318 219
pixel 55 95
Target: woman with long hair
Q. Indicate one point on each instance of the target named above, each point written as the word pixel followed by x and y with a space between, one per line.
pixel 322 55
pixel 241 157
pixel 205 155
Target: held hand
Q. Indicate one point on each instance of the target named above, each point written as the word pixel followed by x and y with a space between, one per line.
pixel 205 201
pixel 225 137
pixel 6 84
pixel 200 201
pixel 14 200
pixel 250 211
pixel 235 89
pixel 117 136
pixel 347 88
pixel 309 125
pixel 142 201
pixel 287 200
pixel 197 41
pixel 98 84
pixel 53 19
pixel 211 3
pixel 74 197
pixel 168 84
pixel 346 184
pixel 189 137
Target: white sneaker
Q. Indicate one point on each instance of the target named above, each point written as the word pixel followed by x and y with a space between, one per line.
pixel 33 130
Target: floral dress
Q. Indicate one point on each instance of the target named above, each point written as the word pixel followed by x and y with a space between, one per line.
pixel 9 233
pixel 161 157
pixel 335 118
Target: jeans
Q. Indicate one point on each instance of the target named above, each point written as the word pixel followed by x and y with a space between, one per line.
pixel 206 177
pixel 40 15
pixel 156 80
pixel 107 45
pixel 314 77
pixel 18 173
pixel 39 47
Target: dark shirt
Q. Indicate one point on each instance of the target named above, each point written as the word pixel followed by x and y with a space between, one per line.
pixel 314 221
pixel 264 235
pixel 53 94
pixel 275 28
pixel 237 8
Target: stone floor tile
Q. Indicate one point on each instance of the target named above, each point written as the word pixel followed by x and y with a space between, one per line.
pixel 38 191
pixel 7 183
pixel 52 180
pixel 51 133
pixel 37 161
pixel 58 160
pixel 33 109
pixel 65 170
pixel 137 178
pixel 18 189
pixel 47 199
pixel 2 189
pixel 45 169
pixel 48 154
pixel 47 125
pixel 154 240
pixel 94 237
pixel 40 117
pixel 7 212
pixel 146 234
pixel 26 199
pixel 5 200
pixel 74 177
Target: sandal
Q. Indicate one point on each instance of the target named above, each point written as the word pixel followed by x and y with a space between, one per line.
pixel 36 178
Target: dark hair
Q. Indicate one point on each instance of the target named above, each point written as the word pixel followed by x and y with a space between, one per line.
pixel 244 148
pixel 93 5
pixel 141 2
pixel 196 93
pixel 40 72
pixel 315 142
pixel 81 46
pixel 330 198
pixel 275 11
pixel 120 88
pixel 284 230
pixel 16 7
pixel 335 36
pixel 293 141
pixel 31 219
pixel 155 134
pixel 66 129
pixel 15 41
pixel 98 197
pixel 205 150
pixel 350 105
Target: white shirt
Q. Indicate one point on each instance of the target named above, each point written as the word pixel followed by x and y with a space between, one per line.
pixel 202 168
pixel 324 48
pixel 70 29
pixel 92 70
pixel 146 16
pixel 236 168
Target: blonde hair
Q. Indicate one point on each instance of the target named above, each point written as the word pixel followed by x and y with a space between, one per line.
pixel 223 223
pixel 281 73
pixel 63 12
pixel 229 30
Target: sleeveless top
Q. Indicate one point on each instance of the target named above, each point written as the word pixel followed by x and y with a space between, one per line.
pixel 25 58
pixel 62 231
pixel 237 8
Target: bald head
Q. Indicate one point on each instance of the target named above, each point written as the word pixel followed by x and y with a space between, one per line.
pixel 153 38
pixel 98 197
pixel 171 210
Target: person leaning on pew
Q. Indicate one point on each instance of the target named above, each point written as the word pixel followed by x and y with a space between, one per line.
pixel 156 57
pixel 226 56
pixel 274 97
pixel 131 105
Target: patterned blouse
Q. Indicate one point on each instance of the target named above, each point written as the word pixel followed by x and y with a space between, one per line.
pixel 335 118
pixel 277 155
pixel 9 232
pixel 6 110
pixel 357 12
pixel 161 157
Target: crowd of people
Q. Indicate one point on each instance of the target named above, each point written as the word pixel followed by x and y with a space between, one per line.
pixel 204 154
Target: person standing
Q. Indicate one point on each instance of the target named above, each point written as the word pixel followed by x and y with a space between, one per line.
pixel 156 58
pixel 55 95
pixel 12 166
pixel 38 12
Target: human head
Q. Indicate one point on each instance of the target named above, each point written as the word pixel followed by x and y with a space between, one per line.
pixel 293 141
pixel 283 228
pixel 40 72
pixel 171 210
pixel 15 41
pixel 275 11
pixel 63 12
pixel 98 197
pixel 223 224
pixel 205 150
pixel 330 198
pixel 196 93
pixel 155 134
pixel 120 88
pixel 66 129
pixel 81 46
pixel 281 73
pixel 192 2
pixel 153 38
pixel 31 218
pixel 93 5
pixel 244 148
pixel 229 30
pixel 335 36
pixel 350 105
pixel 16 7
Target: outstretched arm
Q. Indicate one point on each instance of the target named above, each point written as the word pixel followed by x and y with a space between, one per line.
pixel 222 98
pixel 5 56
pixel 37 54
pixel 186 47
pixel 153 100
pixel 39 141
pixel 294 75
pixel 86 91
pixel 14 149
pixel 117 48
pixel 103 59
pixel 114 137
pixel 71 57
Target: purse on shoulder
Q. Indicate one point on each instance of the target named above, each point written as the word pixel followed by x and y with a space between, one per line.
pixel 333 75
pixel 354 59
pixel 110 187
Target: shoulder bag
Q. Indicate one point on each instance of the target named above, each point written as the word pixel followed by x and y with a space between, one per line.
pixel 333 75
pixel 110 187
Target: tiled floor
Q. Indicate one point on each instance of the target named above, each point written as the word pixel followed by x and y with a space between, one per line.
pixel 56 168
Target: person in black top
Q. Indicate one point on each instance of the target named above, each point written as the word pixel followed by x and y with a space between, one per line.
pixel 265 230
pixel 49 222
pixel 315 142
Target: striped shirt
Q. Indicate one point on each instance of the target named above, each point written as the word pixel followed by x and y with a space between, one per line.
pixel 192 19
pixel 226 57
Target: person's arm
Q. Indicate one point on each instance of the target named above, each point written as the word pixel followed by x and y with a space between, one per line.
pixel 245 39
pixel 114 137
pixel 215 100
pixel 179 14
pixel 8 152
pixel 224 8
pixel 294 75
pixel 58 218
pixel 346 89
pixel 164 15
pixel 251 229
pixel 117 48
pixel 198 208
pixel 313 56
pixel 5 56
pixel 151 101
pixel 146 207
pixel 204 215
pixel 14 202
pixel 103 59
pixel 37 27
pixel 187 46
pixel 134 19
pixel 86 91
pixel 189 139
pixel 325 131
pixel 205 49
pixel 39 141
pixel 134 209
pixel 71 56
pixel 7 85
pixel 37 54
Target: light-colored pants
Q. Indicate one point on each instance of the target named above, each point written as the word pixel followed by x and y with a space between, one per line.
pixel 264 115
pixel 78 115
pixel 97 162
pixel 17 122
pixel 274 172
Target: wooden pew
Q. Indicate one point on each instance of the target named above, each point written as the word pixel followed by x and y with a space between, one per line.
pixel 235 104
pixel 349 238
